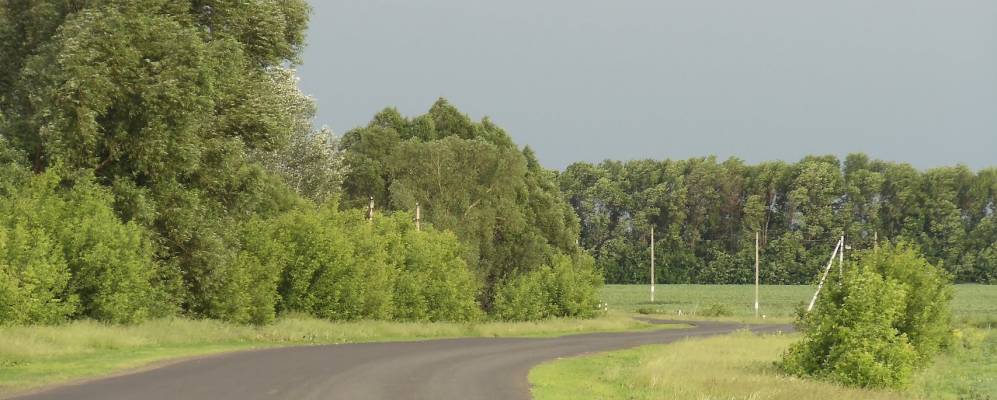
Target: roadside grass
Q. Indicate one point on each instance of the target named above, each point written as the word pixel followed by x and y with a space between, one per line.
pixel 736 366
pixel 968 370
pixel 34 356
pixel 741 366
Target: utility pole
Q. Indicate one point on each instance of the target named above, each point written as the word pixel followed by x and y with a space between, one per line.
pixel 417 218
pixel 841 259
pixel 756 273
pixel 826 270
pixel 652 264
pixel 370 210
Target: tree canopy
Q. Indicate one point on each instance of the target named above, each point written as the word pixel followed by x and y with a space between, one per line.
pixel 468 177
pixel 164 102
pixel 706 212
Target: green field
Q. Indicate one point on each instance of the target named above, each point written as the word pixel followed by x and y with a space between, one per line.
pixel 976 304
pixel 741 366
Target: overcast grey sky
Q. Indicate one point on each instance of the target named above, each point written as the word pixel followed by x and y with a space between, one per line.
pixel 579 80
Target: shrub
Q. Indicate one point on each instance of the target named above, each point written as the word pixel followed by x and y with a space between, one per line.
pixel 34 278
pixel 716 310
pixel 433 282
pixel 336 265
pixel 112 262
pixel 244 286
pixel 576 286
pixel 67 254
pixel 876 324
pixel 566 288
pixel 524 297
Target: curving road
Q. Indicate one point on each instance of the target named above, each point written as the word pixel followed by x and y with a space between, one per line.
pixel 469 369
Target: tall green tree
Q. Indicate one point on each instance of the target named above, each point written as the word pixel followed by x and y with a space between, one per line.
pixel 468 177
pixel 164 102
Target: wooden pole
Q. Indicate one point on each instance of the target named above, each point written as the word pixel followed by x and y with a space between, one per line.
pixel 418 218
pixel 875 243
pixel 370 210
pixel 756 273
pixel 652 264
pixel 823 277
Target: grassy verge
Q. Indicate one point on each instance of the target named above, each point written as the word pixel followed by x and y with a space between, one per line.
pixel 966 371
pixel 740 366
pixel 40 355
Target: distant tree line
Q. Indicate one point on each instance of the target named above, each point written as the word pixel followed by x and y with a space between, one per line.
pixel 706 214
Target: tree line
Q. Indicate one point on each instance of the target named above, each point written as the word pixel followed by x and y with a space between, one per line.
pixel 157 158
pixel 706 214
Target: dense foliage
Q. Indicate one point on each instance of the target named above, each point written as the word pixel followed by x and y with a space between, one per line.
pixel 159 158
pixel 164 102
pixel 337 265
pixel 64 253
pixel 469 177
pixel 706 213
pixel 886 315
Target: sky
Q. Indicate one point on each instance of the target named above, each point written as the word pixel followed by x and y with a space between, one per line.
pixel 578 80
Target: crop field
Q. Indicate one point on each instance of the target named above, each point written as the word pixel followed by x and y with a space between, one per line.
pixel 972 304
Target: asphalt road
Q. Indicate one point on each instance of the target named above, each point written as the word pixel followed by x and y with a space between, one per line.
pixel 466 369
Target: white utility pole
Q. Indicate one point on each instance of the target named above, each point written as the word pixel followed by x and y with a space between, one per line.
pixel 826 270
pixel 841 259
pixel 756 274
pixel 652 264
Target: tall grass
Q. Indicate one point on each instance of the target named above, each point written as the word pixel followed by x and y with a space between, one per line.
pixel 741 366
pixel 737 366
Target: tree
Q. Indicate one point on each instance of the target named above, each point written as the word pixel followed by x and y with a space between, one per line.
pixel 887 315
pixel 164 102
pixel 470 178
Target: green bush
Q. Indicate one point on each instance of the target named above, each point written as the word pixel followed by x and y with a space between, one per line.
pixel 336 265
pixel 433 282
pixel 716 310
pixel 34 278
pixel 576 286
pixel 524 297
pixel 66 253
pixel 872 327
pixel 566 288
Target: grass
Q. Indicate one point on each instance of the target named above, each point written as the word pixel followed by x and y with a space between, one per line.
pixel 741 366
pixel 967 371
pixel 973 304
pixel 737 366
pixel 34 356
